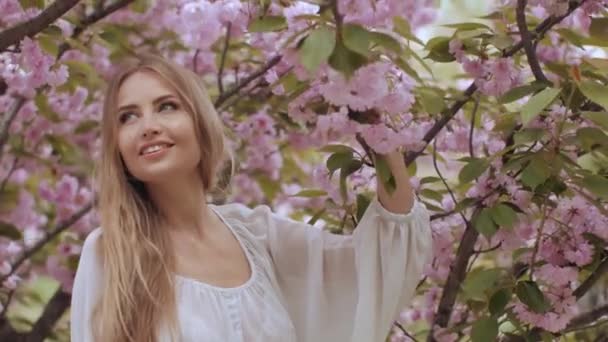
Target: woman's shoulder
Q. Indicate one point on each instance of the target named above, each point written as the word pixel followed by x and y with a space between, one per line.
pixel 91 242
pixel 244 213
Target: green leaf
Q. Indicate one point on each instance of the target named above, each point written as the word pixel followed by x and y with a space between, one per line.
pixel 337 161
pixel 431 100
pixel 501 41
pixel 83 73
pixel 362 204
pixel 528 293
pixel 464 35
pixel 484 224
pixel 537 103
pixel 45 109
pixel 25 4
pixel 598 63
pixel 356 38
pixel 479 281
pixel 591 138
pixel 468 26
pixel 484 330
pixel 499 301
pixel 407 68
pixel 9 197
pixel 317 47
pixel 333 148
pixel 528 135
pixel 140 6
pixel 384 174
pixel 387 42
pixel 519 92
pixel 439 50
pixel 598 118
pixel 8 230
pixel 599 28
pixel 310 193
pixel 345 60
pixel 86 126
pixel 66 150
pixel 268 23
pixel 316 216
pixel 503 215
pixel 402 27
pixel 432 194
pixel 597 184
pixel 596 92
pixel 572 37
pixel 410 52
pixel 535 173
pixel 48 43
pixel 473 169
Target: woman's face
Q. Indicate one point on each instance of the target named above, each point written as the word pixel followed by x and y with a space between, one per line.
pixel 156 136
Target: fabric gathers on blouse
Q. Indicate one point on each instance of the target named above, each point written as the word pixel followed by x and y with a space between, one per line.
pixel 306 284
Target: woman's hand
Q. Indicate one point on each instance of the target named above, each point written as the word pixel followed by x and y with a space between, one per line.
pixel 401 200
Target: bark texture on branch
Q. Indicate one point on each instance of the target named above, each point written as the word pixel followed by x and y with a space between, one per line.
pixel 32 27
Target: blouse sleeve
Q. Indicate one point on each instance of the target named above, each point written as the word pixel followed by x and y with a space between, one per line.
pixel 345 287
pixel 85 290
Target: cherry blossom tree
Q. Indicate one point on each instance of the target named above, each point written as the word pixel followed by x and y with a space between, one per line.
pixel 510 156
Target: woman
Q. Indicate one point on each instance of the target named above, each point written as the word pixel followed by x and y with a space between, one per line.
pixel 166 265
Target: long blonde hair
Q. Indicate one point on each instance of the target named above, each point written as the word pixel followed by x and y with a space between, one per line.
pixel 137 258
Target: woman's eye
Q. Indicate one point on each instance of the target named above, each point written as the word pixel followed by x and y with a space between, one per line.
pixel 124 117
pixel 168 106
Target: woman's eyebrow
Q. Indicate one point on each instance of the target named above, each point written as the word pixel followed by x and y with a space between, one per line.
pixel 155 102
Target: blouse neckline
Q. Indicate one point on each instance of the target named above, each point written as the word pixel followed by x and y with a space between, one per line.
pixel 248 256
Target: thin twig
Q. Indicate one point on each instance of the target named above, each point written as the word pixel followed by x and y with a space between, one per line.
pixel 61 226
pixel 592 279
pixel 445 183
pixel 242 84
pixel 538 238
pixel 195 60
pixel 529 46
pixel 220 74
pixel 7 303
pixel 35 25
pixel 473 115
pixel 96 16
pixel 9 174
pixel 491 249
pixel 398 325
pixel 7 119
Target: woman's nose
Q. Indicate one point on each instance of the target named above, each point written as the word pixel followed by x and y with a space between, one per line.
pixel 150 126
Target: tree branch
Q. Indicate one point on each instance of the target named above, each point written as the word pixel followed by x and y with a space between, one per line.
pixel 220 73
pixel 31 27
pixel 466 246
pixel 526 39
pixel 449 113
pixel 242 84
pixel 400 326
pixel 587 318
pixel 473 115
pixel 455 278
pixel 96 16
pixel 53 311
pixel 592 279
pixel 61 226
pixel 7 119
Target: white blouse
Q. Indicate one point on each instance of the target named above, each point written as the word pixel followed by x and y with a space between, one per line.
pixel 306 285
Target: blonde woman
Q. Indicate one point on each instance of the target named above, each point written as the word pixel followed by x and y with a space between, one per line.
pixel 165 265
